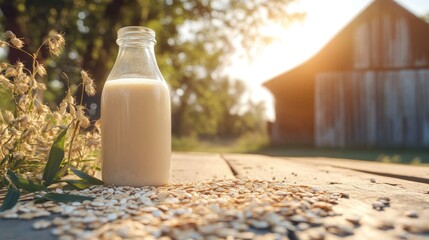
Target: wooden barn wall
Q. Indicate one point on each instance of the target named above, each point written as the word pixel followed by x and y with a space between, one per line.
pixel 387 41
pixel 370 108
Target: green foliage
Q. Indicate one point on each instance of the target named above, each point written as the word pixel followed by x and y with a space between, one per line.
pixel 23 183
pixel 249 142
pixel 252 142
pixel 416 161
pixel 88 178
pixel 64 198
pixel 56 156
pixel 389 159
pixel 10 199
pixel 184 143
pixel 51 170
pixel 78 184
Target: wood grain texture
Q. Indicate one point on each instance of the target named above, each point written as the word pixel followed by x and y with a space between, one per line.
pixel 405 172
pixel 372 108
pixel 304 171
pixel 404 195
pixel 191 167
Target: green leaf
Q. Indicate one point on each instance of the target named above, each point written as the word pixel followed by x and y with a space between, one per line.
pixel 23 183
pixel 40 200
pixel 3 182
pixel 10 200
pixel 56 156
pixel 69 187
pixel 60 197
pixel 78 183
pixel 90 179
pixel 62 172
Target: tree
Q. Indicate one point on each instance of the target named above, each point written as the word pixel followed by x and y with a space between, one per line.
pixel 194 39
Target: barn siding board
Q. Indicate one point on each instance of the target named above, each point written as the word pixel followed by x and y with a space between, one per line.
pixel 368 108
pixel 423 106
pixel 410 104
pixel 420 108
pixel 395 50
pixel 391 102
pixel 371 108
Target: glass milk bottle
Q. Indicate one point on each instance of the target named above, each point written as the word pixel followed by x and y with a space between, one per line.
pixel 135 114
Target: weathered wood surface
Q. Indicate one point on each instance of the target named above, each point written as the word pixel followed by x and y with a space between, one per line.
pixel 385 42
pixel 406 172
pixel 325 174
pixel 372 108
pixel 405 195
pixel 191 167
pixel 325 177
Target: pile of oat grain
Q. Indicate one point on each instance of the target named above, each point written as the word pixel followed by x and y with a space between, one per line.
pixel 236 208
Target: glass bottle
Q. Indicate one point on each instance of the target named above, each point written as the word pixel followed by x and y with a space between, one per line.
pixel 135 114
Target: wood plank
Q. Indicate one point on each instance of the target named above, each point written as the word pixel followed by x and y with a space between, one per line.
pixel 406 172
pixel 305 171
pixel 404 195
pixel 370 90
pixel 191 167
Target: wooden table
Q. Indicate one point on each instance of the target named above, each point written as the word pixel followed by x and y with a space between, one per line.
pixel 365 182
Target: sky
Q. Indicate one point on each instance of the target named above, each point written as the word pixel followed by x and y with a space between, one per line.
pixel 302 40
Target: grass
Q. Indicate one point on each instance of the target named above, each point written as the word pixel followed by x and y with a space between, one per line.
pixel 259 144
pixel 251 142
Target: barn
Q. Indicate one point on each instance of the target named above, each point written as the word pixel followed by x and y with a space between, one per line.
pixel 368 87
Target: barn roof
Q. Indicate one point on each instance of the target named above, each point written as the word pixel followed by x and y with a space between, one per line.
pixel 332 57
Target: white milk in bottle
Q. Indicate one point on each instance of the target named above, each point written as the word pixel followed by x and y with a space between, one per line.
pixel 135 115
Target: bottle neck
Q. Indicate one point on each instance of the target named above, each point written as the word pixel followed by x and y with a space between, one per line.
pixel 136 57
pixel 132 50
pixel 136 61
